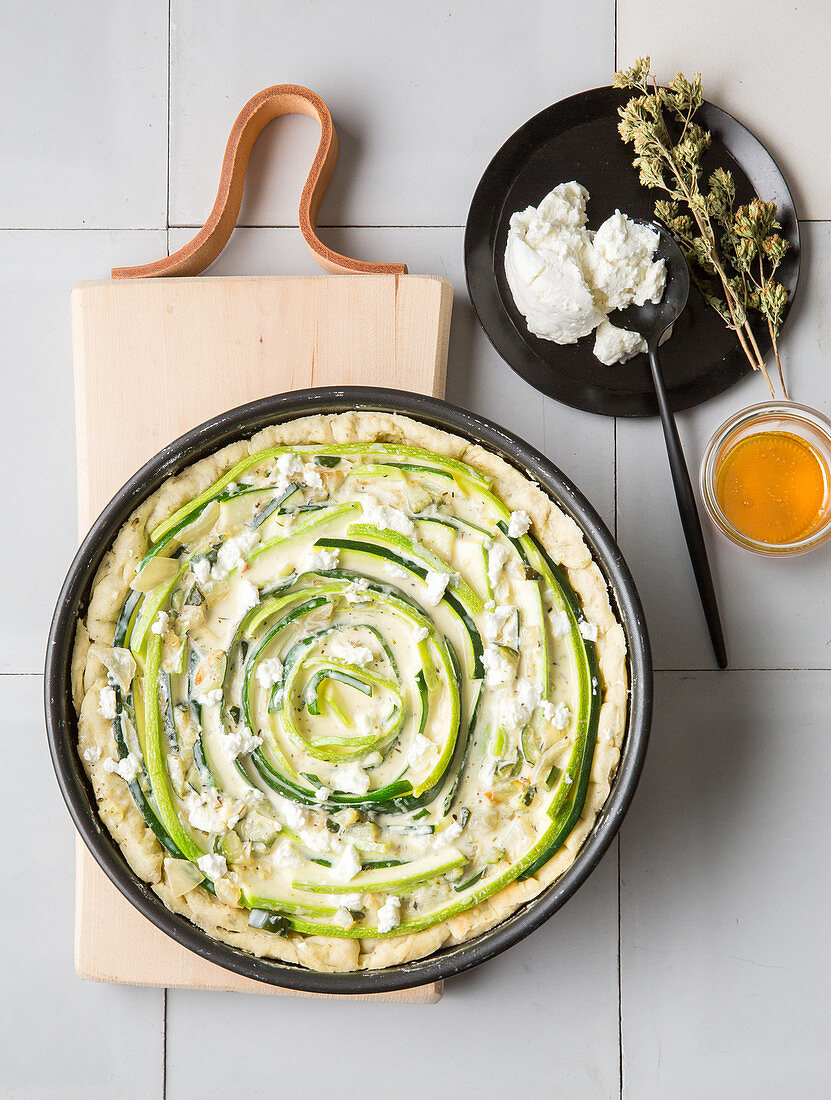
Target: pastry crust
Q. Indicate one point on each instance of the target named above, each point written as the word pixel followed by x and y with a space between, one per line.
pixel 562 539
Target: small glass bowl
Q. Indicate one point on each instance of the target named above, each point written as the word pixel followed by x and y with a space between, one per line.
pixel 771 416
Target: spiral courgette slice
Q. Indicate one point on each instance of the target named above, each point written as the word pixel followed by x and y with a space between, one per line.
pixel 365 698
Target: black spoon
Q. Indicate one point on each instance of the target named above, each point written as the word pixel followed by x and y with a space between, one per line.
pixel 652 321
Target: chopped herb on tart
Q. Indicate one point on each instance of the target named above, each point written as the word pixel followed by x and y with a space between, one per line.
pixel 352 695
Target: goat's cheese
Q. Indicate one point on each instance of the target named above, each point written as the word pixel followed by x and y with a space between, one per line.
pixel 518 524
pixel 128 767
pixel 385 517
pixel 389 915
pixel 436 585
pixel 346 865
pixel 232 552
pixel 269 672
pixel 106 702
pixel 316 560
pixel 350 778
pixel 160 624
pixel 588 630
pixel 421 749
pixel 213 866
pixel 565 279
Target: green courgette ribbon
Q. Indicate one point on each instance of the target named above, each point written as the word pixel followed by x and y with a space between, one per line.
pixel 311 691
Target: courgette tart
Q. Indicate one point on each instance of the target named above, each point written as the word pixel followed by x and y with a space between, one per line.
pixel 350 691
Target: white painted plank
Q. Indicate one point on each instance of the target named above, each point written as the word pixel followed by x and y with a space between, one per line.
pixel 762 63
pixel 422 96
pixel 725 892
pixel 59 1036
pixel 84 123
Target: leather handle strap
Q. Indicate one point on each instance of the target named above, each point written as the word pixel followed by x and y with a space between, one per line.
pixel 271 103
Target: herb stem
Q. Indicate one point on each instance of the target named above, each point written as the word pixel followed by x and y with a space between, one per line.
pixel 719 239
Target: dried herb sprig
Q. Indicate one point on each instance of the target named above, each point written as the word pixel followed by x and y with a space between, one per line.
pixel 733 252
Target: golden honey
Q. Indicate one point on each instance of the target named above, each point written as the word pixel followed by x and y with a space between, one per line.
pixel 773 487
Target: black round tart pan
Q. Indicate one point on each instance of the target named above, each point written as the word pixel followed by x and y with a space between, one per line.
pixel 241 423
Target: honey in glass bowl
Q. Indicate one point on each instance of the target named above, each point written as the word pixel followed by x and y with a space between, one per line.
pixel 766 478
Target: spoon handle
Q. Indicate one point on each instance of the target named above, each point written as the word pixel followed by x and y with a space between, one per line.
pixel 689 513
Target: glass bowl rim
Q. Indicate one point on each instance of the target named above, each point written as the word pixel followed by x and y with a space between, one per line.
pixel 787 409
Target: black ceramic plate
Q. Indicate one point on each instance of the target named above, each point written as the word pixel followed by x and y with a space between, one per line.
pixel 577 139
pixel 242 423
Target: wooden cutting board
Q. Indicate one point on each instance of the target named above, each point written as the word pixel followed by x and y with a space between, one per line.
pixel 156 356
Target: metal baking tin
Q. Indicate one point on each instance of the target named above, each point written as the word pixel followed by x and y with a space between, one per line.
pixel 238 424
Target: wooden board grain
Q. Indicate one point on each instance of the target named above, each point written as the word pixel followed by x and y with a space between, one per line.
pixel 155 357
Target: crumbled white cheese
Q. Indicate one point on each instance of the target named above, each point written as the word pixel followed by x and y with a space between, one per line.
pixel 287 468
pixel 498 669
pixel 518 524
pixel 285 854
pixel 240 741
pixel 346 865
pixel 566 279
pixel 317 839
pixel 588 630
pixel 269 672
pixel 385 517
pixel 616 345
pixel 106 702
pixel 296 817
pixel 518 704
pixel 92 755
pixel 312 476
pixel 352 652
pixel 389 915
pixel 453 830
pixel 212 812
pixel 201 570
pixel 160 624
pixel 210 698
pixel 420 634
pixel 397 572
pixel 623 271
pixel 128 768
pixel 501 624
pixel 560 623
pixel 213 866
pixel 497 557
pixel 249 597
pixel 436 584
pixel 364 722
pixel 354 591
pixel 350 778
pixel 321 794
pixel 233 551
pixel 316 560
pixel 421 750
pixel 557 715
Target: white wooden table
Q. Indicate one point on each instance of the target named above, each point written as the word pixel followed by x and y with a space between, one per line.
pixel 694 962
